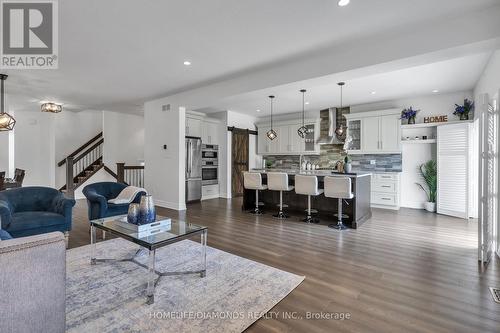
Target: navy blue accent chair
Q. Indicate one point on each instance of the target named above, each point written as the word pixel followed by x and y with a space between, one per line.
pixel 4 235
pixel 34 210
pixel 98 194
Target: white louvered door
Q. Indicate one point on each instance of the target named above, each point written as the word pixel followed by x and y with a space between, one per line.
pixel 453 147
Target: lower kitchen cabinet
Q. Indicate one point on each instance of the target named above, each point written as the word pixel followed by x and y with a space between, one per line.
pixel 385 190
pixel 209 192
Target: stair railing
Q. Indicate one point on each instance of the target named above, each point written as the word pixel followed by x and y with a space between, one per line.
pixel 81 162
pixel 132 175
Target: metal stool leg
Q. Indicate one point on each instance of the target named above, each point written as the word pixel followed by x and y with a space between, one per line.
pixel 339 226
pixel 281 215
pixel 257 210
pixel 309 218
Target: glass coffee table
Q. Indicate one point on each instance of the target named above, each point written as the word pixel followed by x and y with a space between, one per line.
pixel 178 231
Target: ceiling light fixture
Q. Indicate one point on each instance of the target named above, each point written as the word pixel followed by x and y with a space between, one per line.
pixel 7 122
pixel 435 91
pixel 51 107
pixel 307 103
pixel 258 110
pixel 373 92
pixel 343 3
pixel 187 63
pixel 271 134
pixel 302 131
pixel 340 130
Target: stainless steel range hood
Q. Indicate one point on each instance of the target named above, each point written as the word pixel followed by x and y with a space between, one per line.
pixel 330 138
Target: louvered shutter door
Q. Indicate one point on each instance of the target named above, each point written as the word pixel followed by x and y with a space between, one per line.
pixel 453 169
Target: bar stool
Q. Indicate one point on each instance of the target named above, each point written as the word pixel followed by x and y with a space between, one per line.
pixel 253 181
pixel 307 185
pixel 339 188
pixel 278 181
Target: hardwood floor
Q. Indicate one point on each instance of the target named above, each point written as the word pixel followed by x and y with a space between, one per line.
pixel 406 271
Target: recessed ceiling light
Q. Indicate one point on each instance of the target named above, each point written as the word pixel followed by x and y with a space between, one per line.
pixel 343 3
pixel 373 92
pixel 187 63
pixel 435 91
pixel 307 103
pixel 258 110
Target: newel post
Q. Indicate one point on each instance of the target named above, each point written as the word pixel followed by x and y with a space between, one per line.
pixel 120 172
pixel 70 183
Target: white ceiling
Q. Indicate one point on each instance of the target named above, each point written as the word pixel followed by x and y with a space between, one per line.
pixel 459 74
pixel 115 54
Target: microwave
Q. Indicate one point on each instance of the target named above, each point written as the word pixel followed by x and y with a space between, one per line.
pixel 209 152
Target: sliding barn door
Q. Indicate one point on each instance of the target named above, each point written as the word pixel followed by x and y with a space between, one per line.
pixel 488 177
pixel 453 149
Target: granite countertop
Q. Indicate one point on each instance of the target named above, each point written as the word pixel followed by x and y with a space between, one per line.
pixel 319 173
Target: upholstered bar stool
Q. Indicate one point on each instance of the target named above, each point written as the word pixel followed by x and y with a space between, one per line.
pixel 339 188
pixel 253 181
pixel 307 185
pixel 278 181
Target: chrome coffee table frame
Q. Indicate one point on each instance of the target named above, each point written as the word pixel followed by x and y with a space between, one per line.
pixel 150 244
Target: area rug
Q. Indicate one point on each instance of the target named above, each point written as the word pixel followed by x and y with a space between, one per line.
pixel 110 296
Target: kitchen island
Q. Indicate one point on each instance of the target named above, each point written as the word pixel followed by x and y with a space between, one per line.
pixel 358 208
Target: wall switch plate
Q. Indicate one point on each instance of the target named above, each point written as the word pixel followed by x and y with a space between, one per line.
pixel 165 107
pixel 165 147
pixel 373 162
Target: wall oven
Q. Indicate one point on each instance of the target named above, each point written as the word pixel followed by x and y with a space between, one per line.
pixel 210 165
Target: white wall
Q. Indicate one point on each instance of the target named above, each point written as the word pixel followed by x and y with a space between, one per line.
pixel 100 176
pixel 165 168
pixel 35 147
pixel 73 129
pixel 123 139
pixel 489 82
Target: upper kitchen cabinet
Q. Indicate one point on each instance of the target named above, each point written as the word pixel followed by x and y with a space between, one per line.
pixel 376 132
pixel 210 132
pixel 194 125
pixel 288 141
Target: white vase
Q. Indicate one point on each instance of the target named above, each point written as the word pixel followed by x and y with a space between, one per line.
pixel 430 206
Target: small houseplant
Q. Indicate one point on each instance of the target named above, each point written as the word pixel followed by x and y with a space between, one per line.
pixel 347 164
pixel 428 171
pixel 463 110
pixel 409 114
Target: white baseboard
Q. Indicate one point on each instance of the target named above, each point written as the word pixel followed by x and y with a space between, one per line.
pixel 170 205
pixel 413 204
pixel 385 207
pixel 208 197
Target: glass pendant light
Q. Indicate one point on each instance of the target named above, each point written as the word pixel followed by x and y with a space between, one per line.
pixel 271 134
pixel 340 130
pixel 7 122
pixel 302 131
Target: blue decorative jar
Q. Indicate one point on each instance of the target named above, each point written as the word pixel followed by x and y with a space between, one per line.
pixel 147 212
pixel 133 213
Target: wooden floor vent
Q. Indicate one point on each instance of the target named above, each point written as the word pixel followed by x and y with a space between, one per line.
pixel 495 292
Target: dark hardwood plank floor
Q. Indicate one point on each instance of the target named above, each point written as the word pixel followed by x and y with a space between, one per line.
pixel 406 271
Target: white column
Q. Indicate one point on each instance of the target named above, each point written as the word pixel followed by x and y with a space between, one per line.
pixel 164 152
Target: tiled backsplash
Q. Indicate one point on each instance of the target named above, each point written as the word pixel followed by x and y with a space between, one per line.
pixel 330 154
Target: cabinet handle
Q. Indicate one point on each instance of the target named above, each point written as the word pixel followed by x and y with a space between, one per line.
pixel 387 199
pixel 386 186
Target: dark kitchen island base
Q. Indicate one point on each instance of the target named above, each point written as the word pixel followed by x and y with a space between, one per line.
pixel 358 209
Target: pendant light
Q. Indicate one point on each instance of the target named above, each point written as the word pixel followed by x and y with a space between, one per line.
pixel 271 134
pixel 7 122
pixel 302 131
pixel 340 130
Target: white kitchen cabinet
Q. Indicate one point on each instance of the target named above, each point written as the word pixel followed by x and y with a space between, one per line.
pixel 193 127
pixel 385 192
pixel 288 141
pixel 210 133
pixel 371 131
pixel 376 132
pixel 209 192
pixel 390 133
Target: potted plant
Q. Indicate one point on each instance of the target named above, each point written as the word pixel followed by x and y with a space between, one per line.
pixel 409 114
pixel 428 171
pixel 347 164
pixel 463 110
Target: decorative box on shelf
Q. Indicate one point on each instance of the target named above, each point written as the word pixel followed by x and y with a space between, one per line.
pixel 146 229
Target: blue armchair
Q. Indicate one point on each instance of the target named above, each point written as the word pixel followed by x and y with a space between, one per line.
pixel 98 194
pixel 28 211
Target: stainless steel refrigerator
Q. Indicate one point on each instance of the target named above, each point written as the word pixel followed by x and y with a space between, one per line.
pixel 193 169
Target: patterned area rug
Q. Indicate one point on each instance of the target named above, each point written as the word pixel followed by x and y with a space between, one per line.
pixel 110 296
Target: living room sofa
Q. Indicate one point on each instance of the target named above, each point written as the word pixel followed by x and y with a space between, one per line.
pixel 33 284
pixel 98 194
pixel 28 211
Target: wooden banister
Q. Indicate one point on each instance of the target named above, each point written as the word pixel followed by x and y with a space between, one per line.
pixel 134 176
pixel 80 149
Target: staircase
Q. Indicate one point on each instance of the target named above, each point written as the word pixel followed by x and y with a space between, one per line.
pixel 82 164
